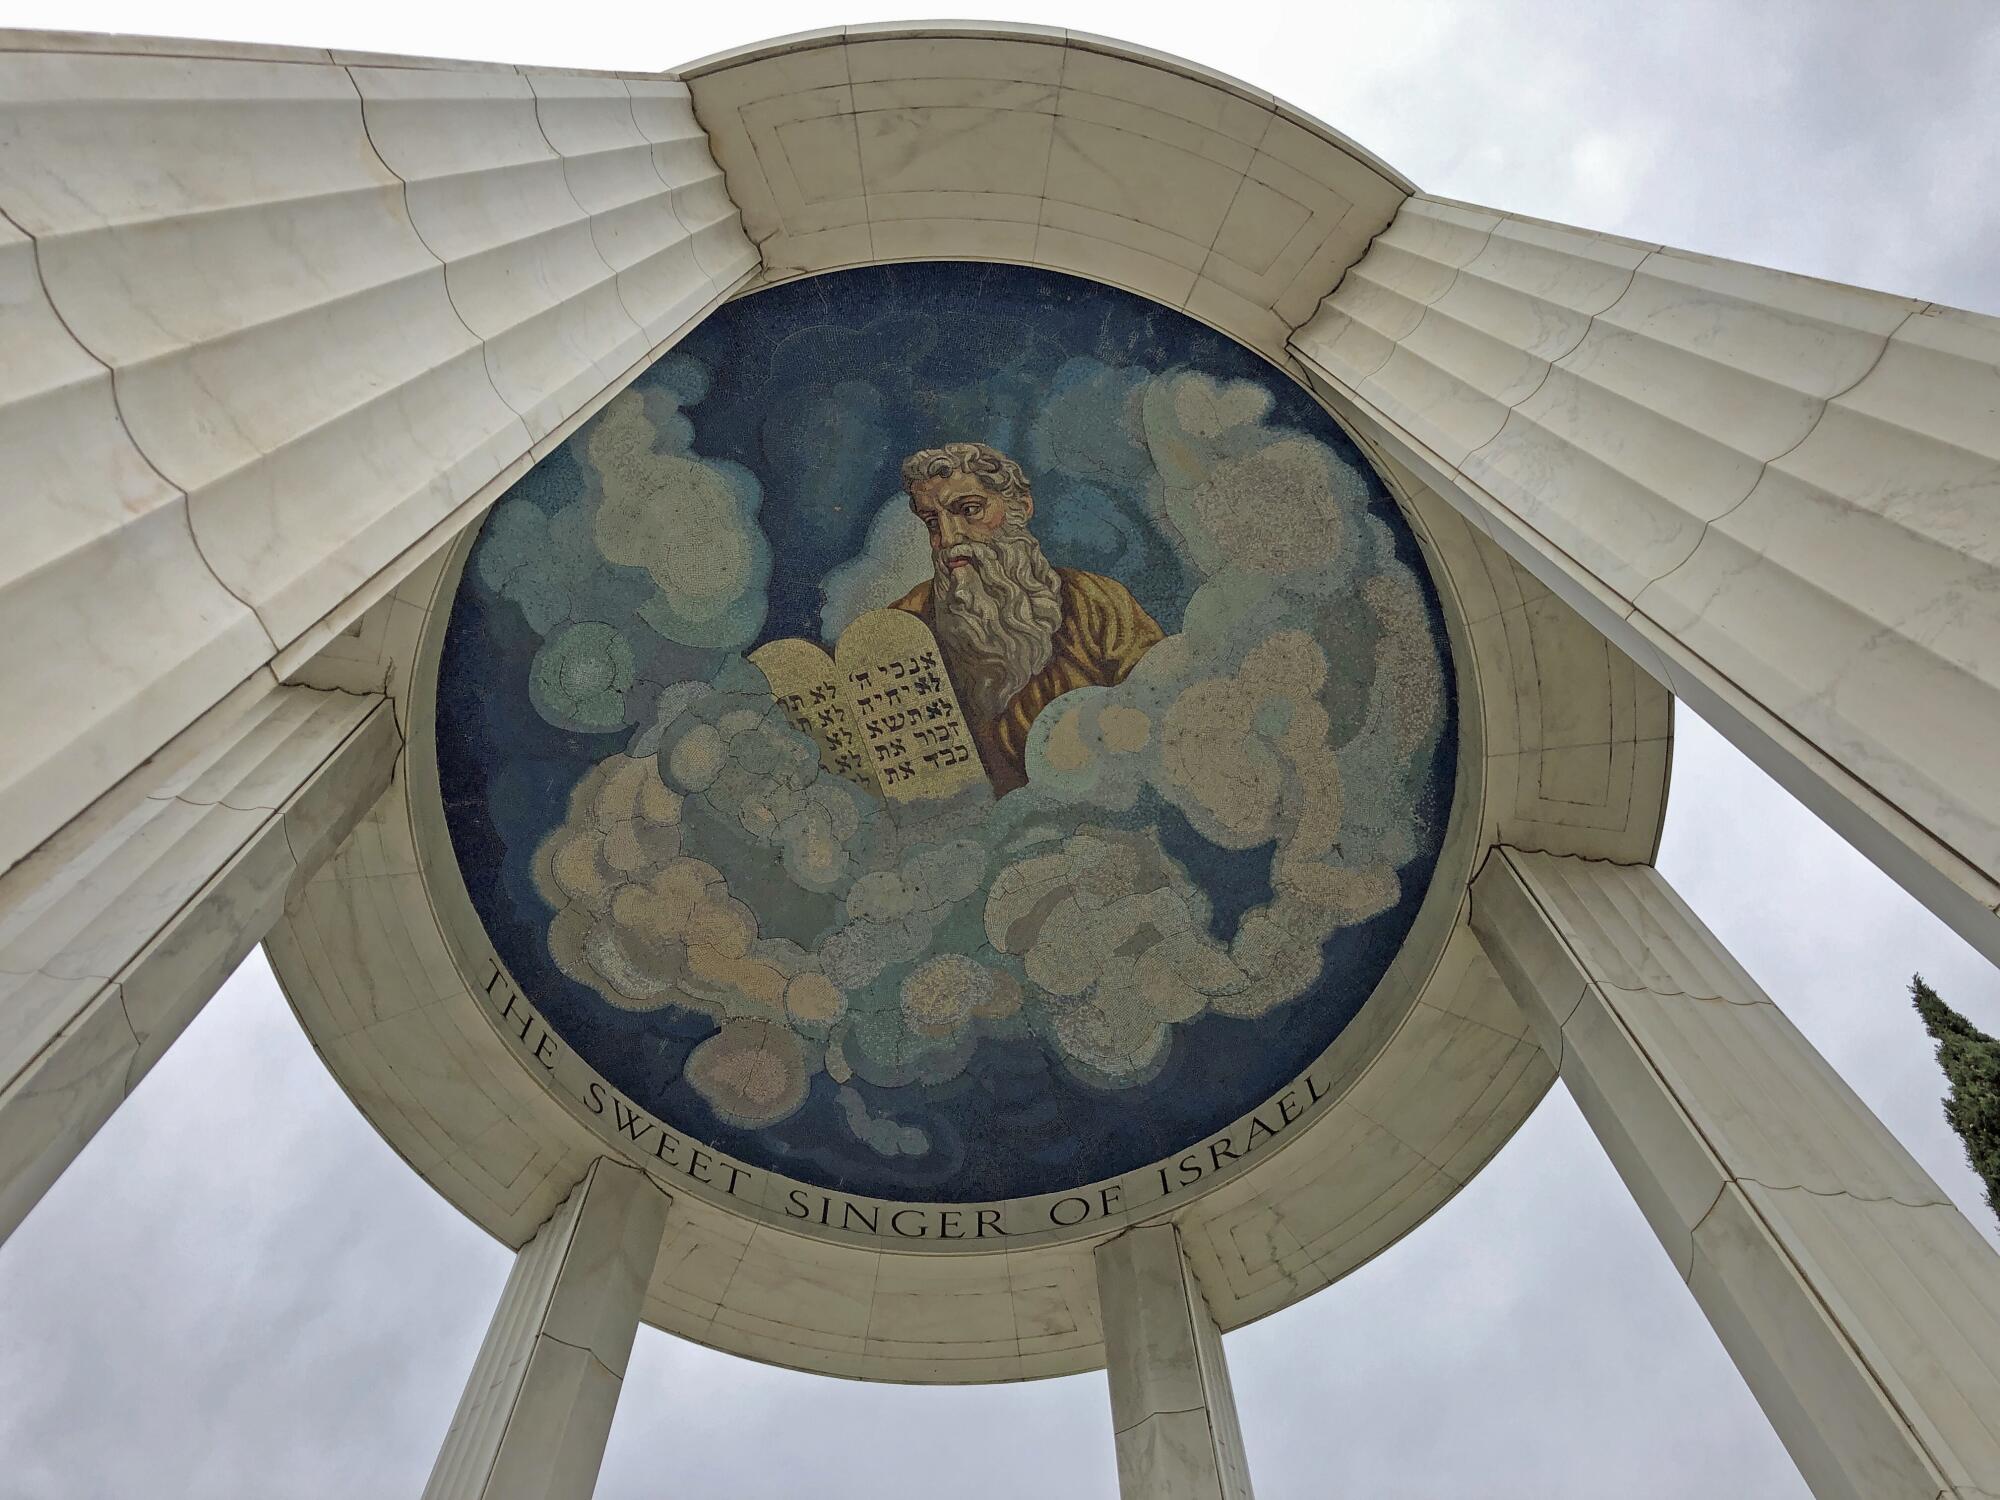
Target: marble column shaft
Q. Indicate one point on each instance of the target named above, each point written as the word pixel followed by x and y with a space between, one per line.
pixel 537 1407
pixel 274 329
pixel 1779 496
pixel 114 933
pixel 1172 1411
pixel 1861 1307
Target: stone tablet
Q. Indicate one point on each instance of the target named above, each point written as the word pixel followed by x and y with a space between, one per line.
pixel 912 728
pixel 806 686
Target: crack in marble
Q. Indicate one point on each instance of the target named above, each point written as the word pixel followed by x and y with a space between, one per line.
pixel 1548 365
pixel 485 349
pixel 1806 1187
pixel 1525 540
pixel 118 411
pixel 1764 468
pixel 1699 996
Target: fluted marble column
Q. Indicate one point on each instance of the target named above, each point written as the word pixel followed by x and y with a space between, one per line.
pixel 538 1405
pixel 1780 496
pixel 273 329
pixel 114 933
pixel 1861 1307
pixel 1171 1406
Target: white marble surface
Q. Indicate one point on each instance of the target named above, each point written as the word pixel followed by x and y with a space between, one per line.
pixel 114 934
pixel 100 576
pixel 1042 147
pixel 487 194
pixel 1172 1411
pixel 1861 1307
pixel 1776 494
pixel 341 304
pixel 199 222
pixel 664 112
pixel 539 1402
pixel 610 169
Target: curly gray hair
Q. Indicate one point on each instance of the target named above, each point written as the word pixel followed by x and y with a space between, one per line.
pixel 989 466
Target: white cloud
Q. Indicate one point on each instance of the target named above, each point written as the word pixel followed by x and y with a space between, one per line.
pixel 894 558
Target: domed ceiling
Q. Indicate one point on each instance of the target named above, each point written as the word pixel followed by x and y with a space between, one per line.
pixel 948 733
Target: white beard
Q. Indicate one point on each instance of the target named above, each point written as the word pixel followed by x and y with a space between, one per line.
pixel 997 619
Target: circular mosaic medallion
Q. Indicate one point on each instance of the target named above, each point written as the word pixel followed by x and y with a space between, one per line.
pixel 947 733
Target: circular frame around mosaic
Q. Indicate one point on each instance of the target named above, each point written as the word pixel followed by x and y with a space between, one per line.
pixel 962 837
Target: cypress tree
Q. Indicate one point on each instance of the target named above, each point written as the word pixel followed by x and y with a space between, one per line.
pixel 1971 1062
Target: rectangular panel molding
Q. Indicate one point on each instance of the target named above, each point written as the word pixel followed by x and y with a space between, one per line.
pixel 1779 496
pixel 1861 1307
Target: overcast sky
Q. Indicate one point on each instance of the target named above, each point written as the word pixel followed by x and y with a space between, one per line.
pixel 239 1291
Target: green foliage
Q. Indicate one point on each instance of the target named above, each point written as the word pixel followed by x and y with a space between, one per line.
pixel 1971 1062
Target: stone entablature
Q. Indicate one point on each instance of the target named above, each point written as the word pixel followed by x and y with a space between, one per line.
pixel 1564 748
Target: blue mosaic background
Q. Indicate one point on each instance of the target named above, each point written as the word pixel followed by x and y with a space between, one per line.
pixel 745 490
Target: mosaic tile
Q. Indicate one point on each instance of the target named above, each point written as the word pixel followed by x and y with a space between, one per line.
pixel 948 732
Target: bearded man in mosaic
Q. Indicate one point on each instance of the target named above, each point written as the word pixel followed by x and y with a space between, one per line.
pixel 1016 632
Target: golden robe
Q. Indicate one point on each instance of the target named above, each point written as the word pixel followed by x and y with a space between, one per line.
pixel 1103 634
